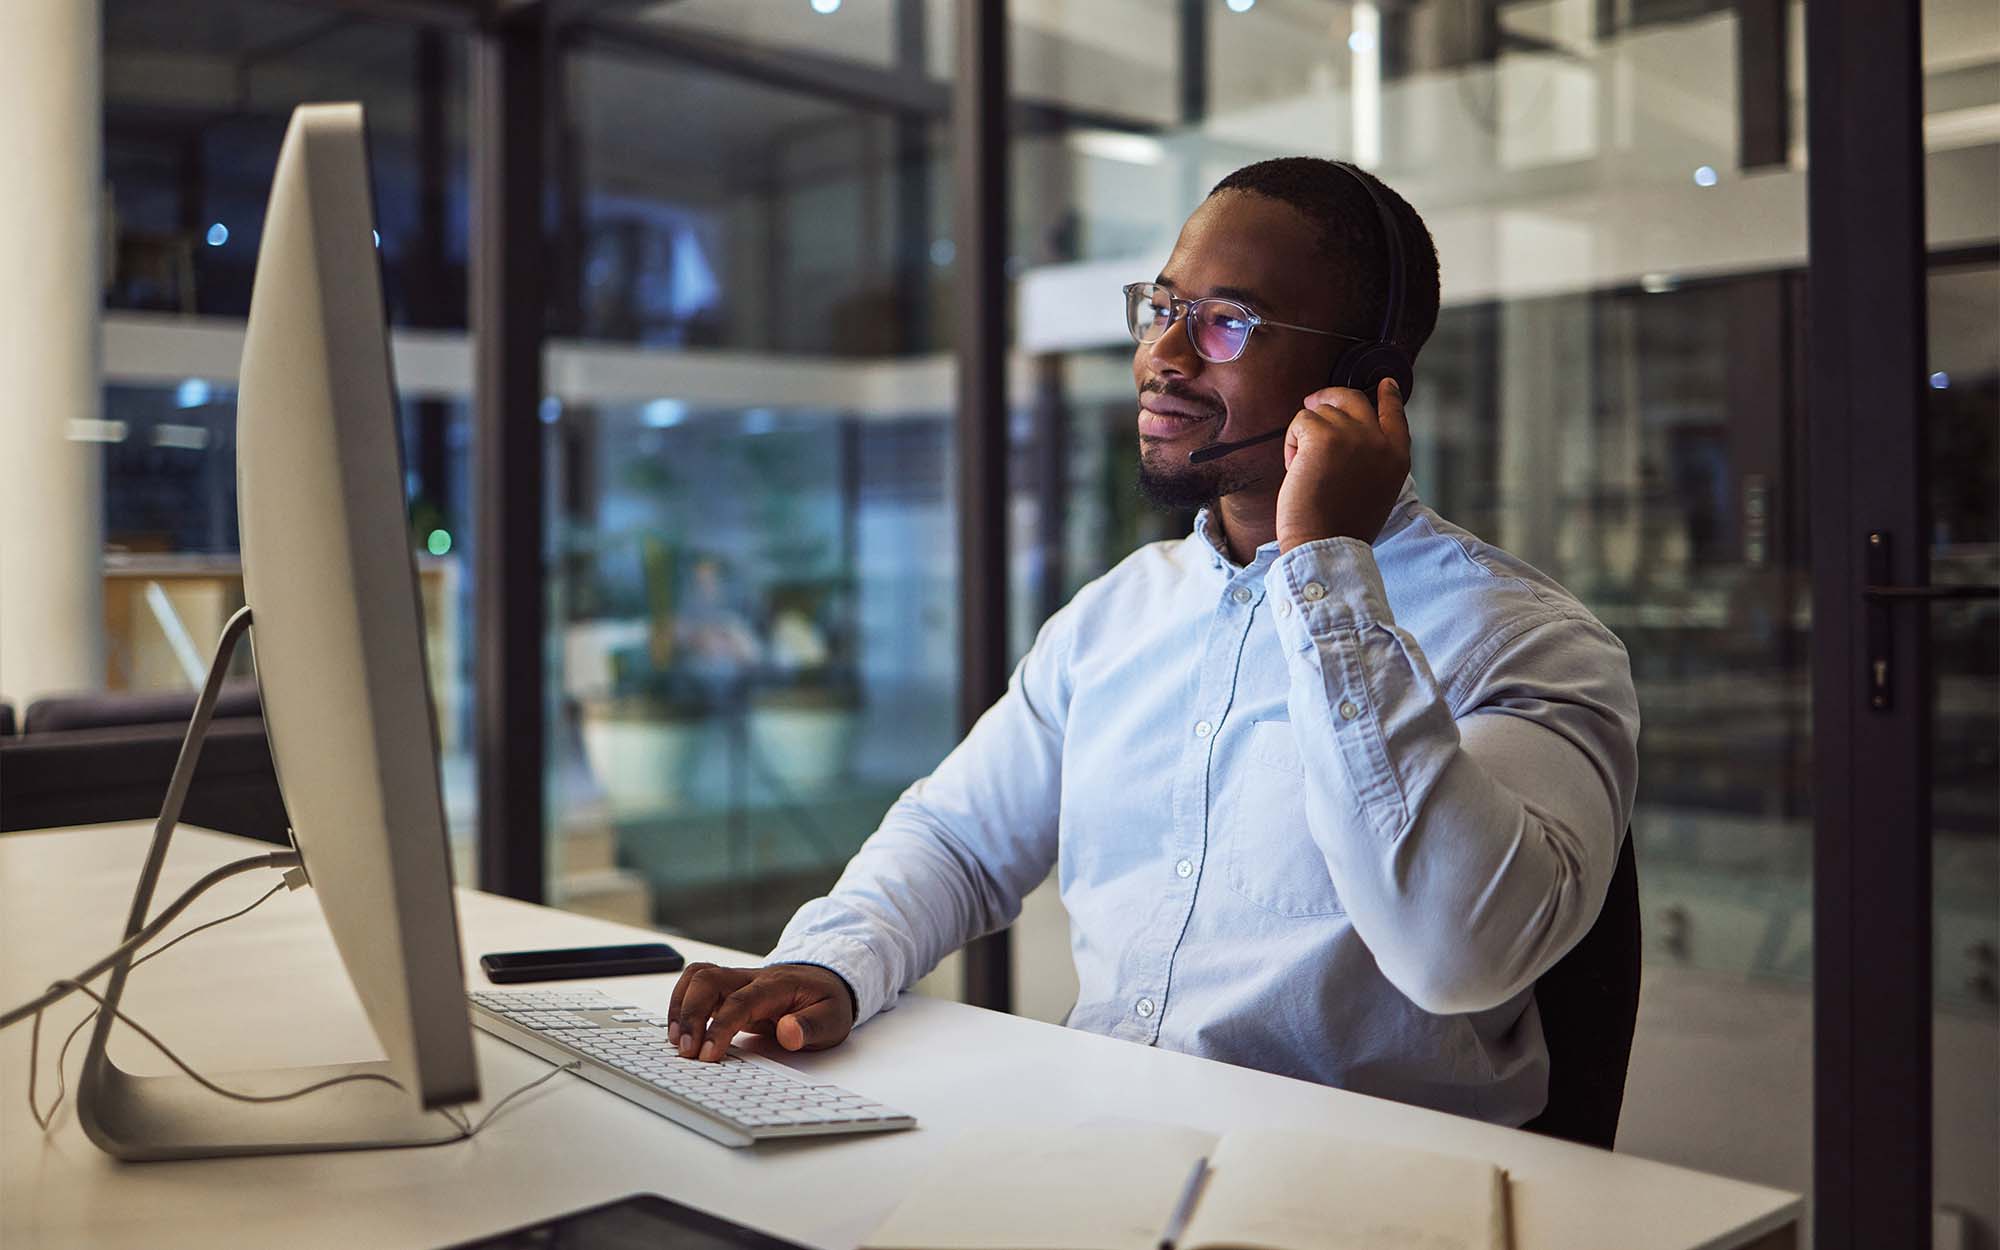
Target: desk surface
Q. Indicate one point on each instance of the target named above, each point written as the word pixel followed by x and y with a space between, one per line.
pixel 269 990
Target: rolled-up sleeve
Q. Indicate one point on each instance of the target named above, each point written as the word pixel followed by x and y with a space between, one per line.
pixel 1471 847
pixel 956 854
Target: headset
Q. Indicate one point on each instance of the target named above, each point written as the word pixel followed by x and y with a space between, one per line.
pixel 1364 364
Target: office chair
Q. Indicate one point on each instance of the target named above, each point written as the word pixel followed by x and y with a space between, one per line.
pixel 92 758
pixel 1589 1004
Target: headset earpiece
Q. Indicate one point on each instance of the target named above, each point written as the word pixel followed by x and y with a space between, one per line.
pixel 1364 365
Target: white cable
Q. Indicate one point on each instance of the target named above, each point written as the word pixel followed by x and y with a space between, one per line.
pixel 457 1118
pixel 58 989
pixel 44 1119
pixel 211 1086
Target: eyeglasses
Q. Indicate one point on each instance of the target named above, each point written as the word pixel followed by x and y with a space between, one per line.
pixel 1218 328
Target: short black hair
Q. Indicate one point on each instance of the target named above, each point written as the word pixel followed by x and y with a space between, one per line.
pixel 1350 238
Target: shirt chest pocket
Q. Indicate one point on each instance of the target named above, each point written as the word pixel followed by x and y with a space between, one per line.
pixel 1268 855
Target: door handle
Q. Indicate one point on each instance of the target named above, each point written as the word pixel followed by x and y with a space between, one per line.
pixel 1881 595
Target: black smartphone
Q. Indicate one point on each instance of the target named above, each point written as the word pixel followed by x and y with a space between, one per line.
pixel 508 967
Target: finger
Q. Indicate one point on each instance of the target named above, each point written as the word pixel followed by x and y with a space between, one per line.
pixel 1294 432
pixel 706 992
pixel 1344 400
pixel 759 1000
pixel 1395 423
pixel 680 991
pixel 816 1027
pixel 1309 428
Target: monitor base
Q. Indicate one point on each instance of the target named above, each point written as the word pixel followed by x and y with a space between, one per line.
pixel 174 1117
pixel 146 1118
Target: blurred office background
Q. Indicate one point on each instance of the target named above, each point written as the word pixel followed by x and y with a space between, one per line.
pixel 750 450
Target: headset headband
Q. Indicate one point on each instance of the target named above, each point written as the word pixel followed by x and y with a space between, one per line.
pixel 1392 312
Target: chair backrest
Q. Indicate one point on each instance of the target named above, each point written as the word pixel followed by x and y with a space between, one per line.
pixel 1589 1003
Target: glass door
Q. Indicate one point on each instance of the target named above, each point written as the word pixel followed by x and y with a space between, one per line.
pixel 1961 402
pixel 1906 526
pixel 1960 49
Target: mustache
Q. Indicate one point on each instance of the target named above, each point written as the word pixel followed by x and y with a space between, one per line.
pixel 1206 404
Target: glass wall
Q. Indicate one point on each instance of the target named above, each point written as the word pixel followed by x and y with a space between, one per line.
pixel 1963 415
pixel 755 592
pixel 754 588
pixel 1961 50
pixel 1614 392
pixel 196 100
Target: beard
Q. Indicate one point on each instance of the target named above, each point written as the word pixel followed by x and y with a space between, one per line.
pixel 1168 481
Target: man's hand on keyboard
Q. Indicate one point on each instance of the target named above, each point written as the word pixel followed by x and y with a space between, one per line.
pixel 804 1006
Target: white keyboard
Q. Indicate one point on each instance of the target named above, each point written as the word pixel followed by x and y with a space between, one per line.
pixel 741 1099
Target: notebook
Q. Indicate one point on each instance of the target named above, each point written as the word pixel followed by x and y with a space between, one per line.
pixel 1113 1187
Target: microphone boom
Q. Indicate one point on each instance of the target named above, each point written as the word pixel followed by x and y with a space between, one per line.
pixel 1216 451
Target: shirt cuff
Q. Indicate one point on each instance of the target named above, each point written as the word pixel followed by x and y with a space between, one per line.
pixel 848 959
pixel 1325 584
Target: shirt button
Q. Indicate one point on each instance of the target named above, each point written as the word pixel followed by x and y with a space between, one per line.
pixel 1144 1007
pixel 1284 607
pixel 1315 592
pixel 1184 869
pixel 1241 594
pixel 1347 709
pixel 1202 729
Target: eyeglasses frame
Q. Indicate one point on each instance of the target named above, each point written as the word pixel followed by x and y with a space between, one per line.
pixel 1178 310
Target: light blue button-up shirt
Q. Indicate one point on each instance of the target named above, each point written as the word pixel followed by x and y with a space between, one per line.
pixel 1329 815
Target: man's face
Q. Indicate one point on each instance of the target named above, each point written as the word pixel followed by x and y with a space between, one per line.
pixel 1262 253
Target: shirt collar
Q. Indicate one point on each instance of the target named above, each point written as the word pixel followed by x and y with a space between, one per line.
pixel 1207 535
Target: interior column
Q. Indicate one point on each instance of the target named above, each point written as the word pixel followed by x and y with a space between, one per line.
pixel 51 469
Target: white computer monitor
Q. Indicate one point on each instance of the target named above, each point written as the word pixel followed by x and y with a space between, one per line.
pixel 336 630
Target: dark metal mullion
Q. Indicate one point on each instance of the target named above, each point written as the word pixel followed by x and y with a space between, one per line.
pixel 911 172
pixel 1051 460
pixel 1763 84
pixel 508 303
pixel 425 268
pixel 979 169
pixel 1194 61
pixel 566 167
pixel 1872 1008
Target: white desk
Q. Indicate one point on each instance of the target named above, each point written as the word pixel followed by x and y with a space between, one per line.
pixel 268 990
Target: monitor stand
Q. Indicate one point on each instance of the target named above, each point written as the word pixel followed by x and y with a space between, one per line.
pixel 173 1117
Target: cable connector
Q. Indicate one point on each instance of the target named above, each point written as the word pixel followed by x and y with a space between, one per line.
pixel 295 874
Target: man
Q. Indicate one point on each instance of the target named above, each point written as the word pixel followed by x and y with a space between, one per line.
pixel 1328 784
